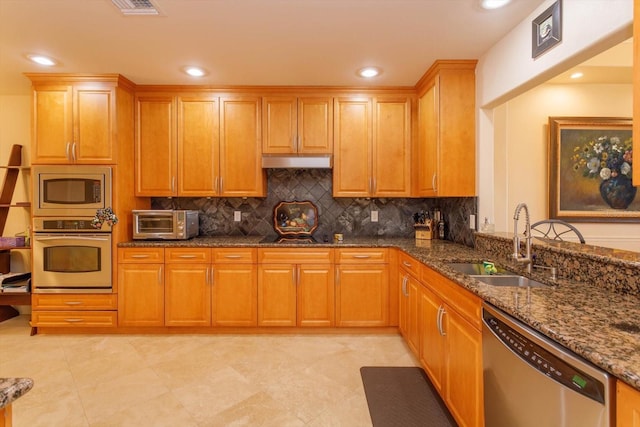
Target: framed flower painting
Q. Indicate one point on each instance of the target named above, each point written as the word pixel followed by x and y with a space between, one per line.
pixel 590 169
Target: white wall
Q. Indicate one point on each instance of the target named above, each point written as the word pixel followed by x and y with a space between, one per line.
pixel 512 157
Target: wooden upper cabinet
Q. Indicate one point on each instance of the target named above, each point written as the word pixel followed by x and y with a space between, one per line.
pixel 198 146
pixel 372 147
pixel 155 148
pixel 445 149
pixel 241 173
pixel 75 118
pixel 352 141
pixel 294 125
pixel 391 147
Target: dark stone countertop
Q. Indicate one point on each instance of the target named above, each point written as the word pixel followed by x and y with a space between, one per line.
pixel 600 325
pixel 12 388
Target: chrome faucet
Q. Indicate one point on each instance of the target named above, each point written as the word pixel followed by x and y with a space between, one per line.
pixel 516 240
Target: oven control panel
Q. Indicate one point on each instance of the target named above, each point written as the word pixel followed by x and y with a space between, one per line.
pixel 65 224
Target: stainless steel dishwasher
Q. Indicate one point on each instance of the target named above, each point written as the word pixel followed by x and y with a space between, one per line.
pixel 531 381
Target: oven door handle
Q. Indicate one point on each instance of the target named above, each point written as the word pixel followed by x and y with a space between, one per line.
pixel 94 239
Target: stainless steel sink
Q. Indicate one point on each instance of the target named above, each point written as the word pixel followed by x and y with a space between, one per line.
pixel 501 277
pixel 476 269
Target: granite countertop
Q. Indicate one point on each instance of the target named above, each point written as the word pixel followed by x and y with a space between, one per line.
pixel 596 323
pixel 12 388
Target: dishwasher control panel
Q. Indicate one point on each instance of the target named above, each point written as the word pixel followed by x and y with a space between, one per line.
pixel 544 361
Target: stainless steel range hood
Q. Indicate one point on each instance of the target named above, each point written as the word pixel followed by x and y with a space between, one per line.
pixel 297 162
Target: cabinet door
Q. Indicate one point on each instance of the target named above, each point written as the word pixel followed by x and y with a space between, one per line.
pixel 277 295
pixel 52 123
pixel 234 295
pixel 413 331
pixel 94 108
pixel 464 390
pixel 391 161
pixel 362 295
pixel 241 170
pixel 427 144
pixel 198 146
pixel 315 125
pixel 187 295
pixel 279 121
pixel 316 295
pixel 140 295
pixel 627 405
pixel 352 147
pixel 155 147
pixel 432 343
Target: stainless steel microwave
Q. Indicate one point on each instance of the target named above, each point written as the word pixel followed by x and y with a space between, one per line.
pixel 165 224
pixel 73 190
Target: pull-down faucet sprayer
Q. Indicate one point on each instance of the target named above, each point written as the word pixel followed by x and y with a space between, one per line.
pixel 516 240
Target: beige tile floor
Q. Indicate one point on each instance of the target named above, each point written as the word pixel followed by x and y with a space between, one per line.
pixel 193 380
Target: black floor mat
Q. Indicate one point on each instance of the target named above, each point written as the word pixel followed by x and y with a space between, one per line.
pixel 403 397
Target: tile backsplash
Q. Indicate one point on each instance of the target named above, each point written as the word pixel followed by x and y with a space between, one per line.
pixel 350 216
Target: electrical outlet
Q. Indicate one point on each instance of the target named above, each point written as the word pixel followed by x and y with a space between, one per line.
pixel 237 216
pixel 472 221
pixel 374 216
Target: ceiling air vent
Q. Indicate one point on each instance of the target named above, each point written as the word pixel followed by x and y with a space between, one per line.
pixel 136 7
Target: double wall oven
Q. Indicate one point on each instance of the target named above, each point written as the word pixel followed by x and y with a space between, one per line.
pixel 69 254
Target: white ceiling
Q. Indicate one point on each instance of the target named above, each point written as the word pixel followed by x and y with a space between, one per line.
pixel 249 42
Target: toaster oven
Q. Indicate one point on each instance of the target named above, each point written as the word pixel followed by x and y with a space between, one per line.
pixel 165 224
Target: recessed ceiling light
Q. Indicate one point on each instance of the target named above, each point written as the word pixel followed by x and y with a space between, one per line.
pixel 493 4
pixel 369 72
pixel 576 75
pixel 42 60
pixel 195 71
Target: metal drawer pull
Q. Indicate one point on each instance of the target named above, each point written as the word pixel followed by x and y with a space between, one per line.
pixel 73 320
pixel 140 256
pixel 362 256
pixel 187 256
pixel 233 256
pixel 73 302
pixel 406 264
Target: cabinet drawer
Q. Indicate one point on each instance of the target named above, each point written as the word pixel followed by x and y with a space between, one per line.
pixel 361 255
pixel 296 256
pixel 187 255
pixel 74 318
pixel 410 264
pixel 235 255
pixel 465 303
pixel 75 302
pixel 141 255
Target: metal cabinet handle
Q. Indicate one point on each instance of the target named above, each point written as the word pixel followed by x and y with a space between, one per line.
pixel 406 264
pixel 362 256
pixel 173 184
pixel 160 274
pixel 221 185
pixel 73 152
pixel 67 152
pixel 215 184
pixel 297 274
pixel 73 302
pixel 337 277
pixel 74 320
pixel 405 279
pixel 441 313
pixel 187 256
pixel 433 181
pixel 233 256
pixel 375 186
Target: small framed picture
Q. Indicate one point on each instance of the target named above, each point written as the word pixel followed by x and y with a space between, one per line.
pixel 546 29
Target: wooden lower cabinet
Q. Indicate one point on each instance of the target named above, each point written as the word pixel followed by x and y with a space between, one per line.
pixel 362 287
pixel 141 295
pixel 627 405
pixel 187 293
pixel 409 315
pixel 451 346
pixel 234 295
pixel 296 294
